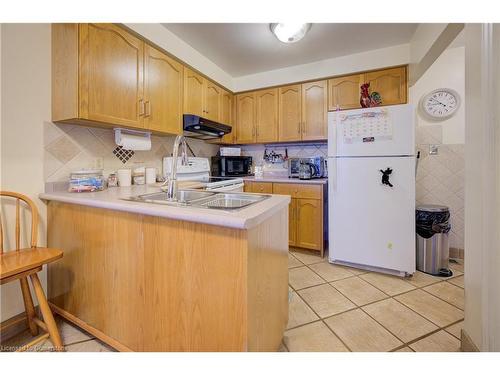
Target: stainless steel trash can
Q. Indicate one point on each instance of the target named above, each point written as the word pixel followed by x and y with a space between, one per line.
pixel 433 251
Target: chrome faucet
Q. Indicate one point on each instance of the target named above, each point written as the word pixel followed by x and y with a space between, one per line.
pixel 172 180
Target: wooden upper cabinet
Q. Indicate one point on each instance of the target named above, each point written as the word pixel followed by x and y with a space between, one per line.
pixel 226 115
pixel 290 99
pixel 245 118
pixel 163 85
pixel 314 110
pixel 111 69
pixel 104 76
pixel 194 85
pixel 226 108
pixel 344 92
pixel 389 83
pixel 212 101
pixel 266 121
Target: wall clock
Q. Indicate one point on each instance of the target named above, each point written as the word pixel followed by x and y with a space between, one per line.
pixel 440 104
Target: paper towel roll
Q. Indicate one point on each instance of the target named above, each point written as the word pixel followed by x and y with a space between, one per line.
pixel 131 140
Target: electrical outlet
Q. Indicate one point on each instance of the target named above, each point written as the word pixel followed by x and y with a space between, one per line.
pixel 433 149
pixel 98 163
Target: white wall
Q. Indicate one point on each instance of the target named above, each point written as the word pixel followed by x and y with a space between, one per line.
pixel 380 58
pixel 25 105
pixel 171 43
pixel 448 71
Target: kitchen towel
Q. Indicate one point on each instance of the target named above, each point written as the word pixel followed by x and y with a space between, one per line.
pixel 133 140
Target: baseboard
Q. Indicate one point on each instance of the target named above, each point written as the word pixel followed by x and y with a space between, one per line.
pixel 467 345
pixel 12 327
pixel 456 253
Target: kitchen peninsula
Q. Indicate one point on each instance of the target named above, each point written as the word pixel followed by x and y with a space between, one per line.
pixel 151 277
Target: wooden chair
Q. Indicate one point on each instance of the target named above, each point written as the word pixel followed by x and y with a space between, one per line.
pixel 21 263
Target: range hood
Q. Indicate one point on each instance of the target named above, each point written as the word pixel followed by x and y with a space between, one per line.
pixel 202 128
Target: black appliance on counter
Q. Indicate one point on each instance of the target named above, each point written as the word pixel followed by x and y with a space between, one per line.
pixel 231 166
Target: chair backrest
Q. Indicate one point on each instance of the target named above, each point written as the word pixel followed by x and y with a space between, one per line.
pixel 34 219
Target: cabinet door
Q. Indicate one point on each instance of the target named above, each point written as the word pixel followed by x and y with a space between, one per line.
pixel 163 78
pixel 309 223
pixel 344 92
pixel 314 110
pixel 267 115
pixel 111 75
pixel 245 117
pixel 226 117
pixel 247 187
pixel 290 98
pixel 389 83
pixel 212 101
pixel 292 223
pixel 193 93
pixel 262 187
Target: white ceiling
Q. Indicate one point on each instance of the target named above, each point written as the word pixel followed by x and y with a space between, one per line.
pixel 248 48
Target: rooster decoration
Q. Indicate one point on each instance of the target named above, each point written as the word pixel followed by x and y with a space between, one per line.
pixel 366 100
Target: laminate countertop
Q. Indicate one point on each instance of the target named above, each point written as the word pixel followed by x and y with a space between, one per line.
pixel 286 180
pixel 114 199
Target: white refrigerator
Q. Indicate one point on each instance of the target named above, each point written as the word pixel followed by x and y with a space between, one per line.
pixel 371 182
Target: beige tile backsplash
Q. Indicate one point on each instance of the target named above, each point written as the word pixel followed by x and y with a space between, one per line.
pixel 440 178
pixel 72 147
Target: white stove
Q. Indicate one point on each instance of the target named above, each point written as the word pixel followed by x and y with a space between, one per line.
pixel 198 169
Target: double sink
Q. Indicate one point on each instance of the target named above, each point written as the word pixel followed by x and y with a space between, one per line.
pixel 203 199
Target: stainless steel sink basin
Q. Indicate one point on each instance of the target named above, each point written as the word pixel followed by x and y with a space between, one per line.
pixel 183 197
pixel 203 199
pixel 231 201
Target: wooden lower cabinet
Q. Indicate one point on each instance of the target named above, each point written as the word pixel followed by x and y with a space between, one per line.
pixel 258 187
pixel 305 212
pixel 309 224
pixel 292 223
pixel 146 283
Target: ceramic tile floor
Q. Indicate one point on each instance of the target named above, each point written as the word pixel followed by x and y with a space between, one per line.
pixel 335 308
pixel 74 339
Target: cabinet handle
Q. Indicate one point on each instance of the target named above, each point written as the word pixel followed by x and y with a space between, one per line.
pixel 299 124
pixel 304 127
pixel 148 108
pixel 141 107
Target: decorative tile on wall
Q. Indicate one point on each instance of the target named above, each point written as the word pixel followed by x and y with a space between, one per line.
pixel 441 179
pixel 72 147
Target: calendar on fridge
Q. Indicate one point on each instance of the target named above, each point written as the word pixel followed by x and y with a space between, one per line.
pixel 368 126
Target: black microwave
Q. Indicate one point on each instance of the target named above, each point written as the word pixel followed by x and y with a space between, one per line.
pixel 228 166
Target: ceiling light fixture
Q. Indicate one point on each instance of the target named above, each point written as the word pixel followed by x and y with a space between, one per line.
pixel 290 32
